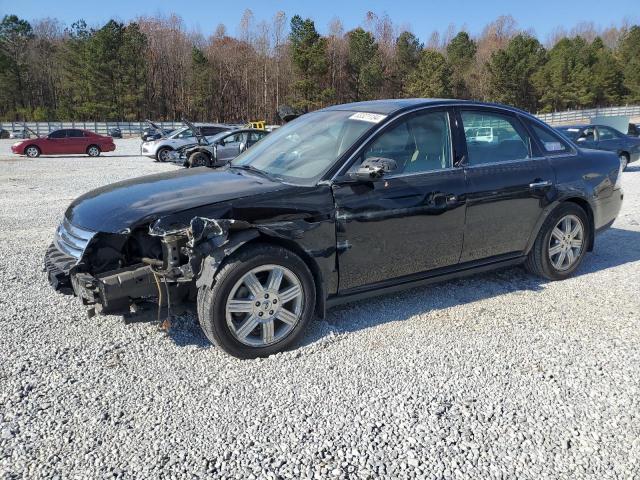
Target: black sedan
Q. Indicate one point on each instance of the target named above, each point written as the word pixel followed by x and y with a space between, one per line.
pixel 340 204
pixel 603 137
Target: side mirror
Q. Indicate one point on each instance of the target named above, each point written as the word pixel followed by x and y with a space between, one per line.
pixel 374 168
pixel 582 139
pixel 242 147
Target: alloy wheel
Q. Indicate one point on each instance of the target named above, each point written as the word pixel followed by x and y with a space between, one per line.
pixel 93 151
pixel 264 306
pixel 32 152
pixel 566 242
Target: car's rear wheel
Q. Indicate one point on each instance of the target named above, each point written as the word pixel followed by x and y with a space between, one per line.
pixel 260 303
pixel 32 151
pixel 198 159
pixel 163 154
pixel 561 244
pixel 93 151
pixel 624 160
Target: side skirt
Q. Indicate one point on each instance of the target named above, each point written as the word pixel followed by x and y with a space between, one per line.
pixel 434 276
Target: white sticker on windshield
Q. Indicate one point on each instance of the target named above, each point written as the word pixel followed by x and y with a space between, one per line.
pixel 368 117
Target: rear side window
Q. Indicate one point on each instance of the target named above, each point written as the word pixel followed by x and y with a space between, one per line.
pixel 75 133
pixel 493 137
pixel 551 143
pixel 606 133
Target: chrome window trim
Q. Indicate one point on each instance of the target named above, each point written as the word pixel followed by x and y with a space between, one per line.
pixel 447 107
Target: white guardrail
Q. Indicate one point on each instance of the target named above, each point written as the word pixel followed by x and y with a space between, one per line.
pixel 135 128
pixel 127 128
pixel 585 116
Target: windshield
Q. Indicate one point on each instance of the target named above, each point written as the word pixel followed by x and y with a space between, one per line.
pixel 572 133
pixel 304 149
pixel 218 136
pixel 184 132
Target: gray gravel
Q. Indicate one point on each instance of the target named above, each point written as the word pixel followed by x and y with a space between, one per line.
pixel 495 376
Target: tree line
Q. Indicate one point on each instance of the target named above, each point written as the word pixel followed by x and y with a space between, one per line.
pixel 154 67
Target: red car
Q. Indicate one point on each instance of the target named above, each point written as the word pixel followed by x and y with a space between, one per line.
pixel 65 141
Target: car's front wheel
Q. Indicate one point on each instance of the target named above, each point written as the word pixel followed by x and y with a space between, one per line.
pixel 32 151
pixel 561 244
pixel 260 303
pixel 198 159
pixel 163 154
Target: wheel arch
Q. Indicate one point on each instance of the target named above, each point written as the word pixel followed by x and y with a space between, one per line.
pixel 318 279
pixel 24 150
pixel 586 206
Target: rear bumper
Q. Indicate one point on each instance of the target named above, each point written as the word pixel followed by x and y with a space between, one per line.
pixel 606 210
pixel 109 147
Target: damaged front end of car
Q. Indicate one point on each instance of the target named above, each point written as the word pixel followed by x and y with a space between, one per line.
pixel 115 273
pixel 111 273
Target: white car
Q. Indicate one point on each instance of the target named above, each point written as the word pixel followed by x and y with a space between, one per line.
pixel 161 148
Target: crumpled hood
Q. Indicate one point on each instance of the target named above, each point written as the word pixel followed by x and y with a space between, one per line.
pixel 117 207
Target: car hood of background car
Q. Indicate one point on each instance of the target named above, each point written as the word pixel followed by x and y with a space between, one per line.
pixel 120 206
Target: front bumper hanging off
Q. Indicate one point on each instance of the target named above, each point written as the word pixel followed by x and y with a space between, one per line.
pixel 110 292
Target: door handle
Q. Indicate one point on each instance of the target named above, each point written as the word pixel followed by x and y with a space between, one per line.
pixel 540 184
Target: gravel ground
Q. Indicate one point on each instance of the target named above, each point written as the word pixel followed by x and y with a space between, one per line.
pixel 496 376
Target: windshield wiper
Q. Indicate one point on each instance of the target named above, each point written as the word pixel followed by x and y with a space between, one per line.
pixel 251 168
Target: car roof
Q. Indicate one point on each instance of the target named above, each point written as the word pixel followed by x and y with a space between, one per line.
pixel 397 105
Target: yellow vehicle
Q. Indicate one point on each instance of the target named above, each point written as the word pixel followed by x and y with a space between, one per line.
pixel 258 124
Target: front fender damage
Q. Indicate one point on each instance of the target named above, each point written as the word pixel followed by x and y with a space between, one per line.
pixel 191 257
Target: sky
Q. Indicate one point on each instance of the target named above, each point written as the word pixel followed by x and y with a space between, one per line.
pixel 422 17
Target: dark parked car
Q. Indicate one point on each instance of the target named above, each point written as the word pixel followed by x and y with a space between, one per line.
pixel 115 132
pixel 150 133
pixel 634 130
pixel 340 204
pixel 65 141
pixel 4 133
pixel 218 149
pixel 602 137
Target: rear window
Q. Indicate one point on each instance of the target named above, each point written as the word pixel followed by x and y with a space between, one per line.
pixel 550 142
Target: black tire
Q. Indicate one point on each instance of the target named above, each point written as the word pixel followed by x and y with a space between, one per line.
pixel 199 159
pixel 93 151
pixel 538 261
pixel 160 154
pixel 624 160
pixel 212 301
pixel 32 151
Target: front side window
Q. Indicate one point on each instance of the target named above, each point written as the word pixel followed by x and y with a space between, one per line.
pixel 58 134
pixel 421 143
pixel 304 149
pixel 551 143
pixel 494 137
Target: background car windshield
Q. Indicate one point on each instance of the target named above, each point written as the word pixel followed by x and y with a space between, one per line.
pixel 305 148
pixel 182 133
pixel 572 133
